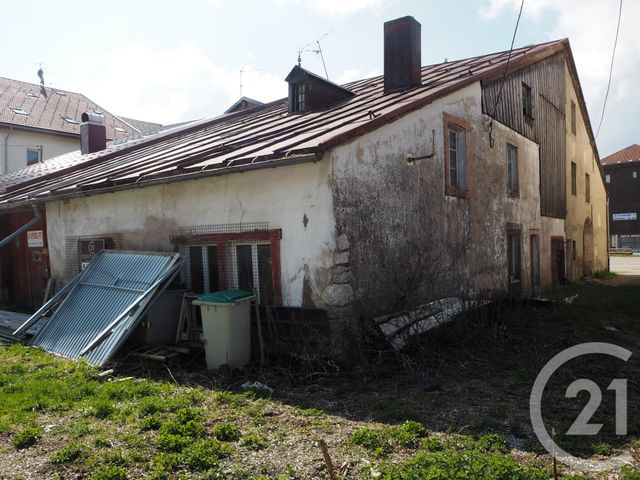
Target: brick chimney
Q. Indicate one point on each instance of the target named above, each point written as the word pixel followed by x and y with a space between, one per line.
pixel 401 54
pixel 93 133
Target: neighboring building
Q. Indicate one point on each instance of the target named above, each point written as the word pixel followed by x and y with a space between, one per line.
pixel 38 123
pixel 243 104
pixel 356 200
pixel 622 173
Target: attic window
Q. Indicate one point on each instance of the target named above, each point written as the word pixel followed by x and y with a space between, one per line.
pixel 32 95
pixel 527 101
pixel 59 92
pixel 19 111
pixel 118 129
pixel 70 120
pixel 300 97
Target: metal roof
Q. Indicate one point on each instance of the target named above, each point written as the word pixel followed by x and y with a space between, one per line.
pixel 46 107
pixel 268 135
pixel 626 155
pixel 101 307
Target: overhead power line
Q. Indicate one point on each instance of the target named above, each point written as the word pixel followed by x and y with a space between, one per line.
pixel 613 56
pixel 504 74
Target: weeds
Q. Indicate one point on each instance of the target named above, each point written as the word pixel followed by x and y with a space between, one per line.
pixel 26 437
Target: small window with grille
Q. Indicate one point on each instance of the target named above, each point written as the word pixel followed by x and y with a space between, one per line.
pixel 300 103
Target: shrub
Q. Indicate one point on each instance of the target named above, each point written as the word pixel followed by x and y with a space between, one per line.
pixel 492 442
pixel 26 437
pixel 368 438
pixel 254 441
pixel 205 454
pixel 602 449
pixel 103 409
pixel 68 454
pixel 226 432
pixel 109 472
pixel 408 433
pixel 629 473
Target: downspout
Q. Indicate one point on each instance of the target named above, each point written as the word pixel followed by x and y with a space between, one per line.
pixel 22 229
pixel 6 151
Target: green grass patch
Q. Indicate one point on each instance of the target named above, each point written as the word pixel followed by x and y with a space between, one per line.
pixel 26 437
pixel 227 432
pixel 68 454
pixel 254 441
pixel 604 274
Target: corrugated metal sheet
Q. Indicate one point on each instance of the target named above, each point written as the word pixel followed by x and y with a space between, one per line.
pixel 113 283
pixel 268 135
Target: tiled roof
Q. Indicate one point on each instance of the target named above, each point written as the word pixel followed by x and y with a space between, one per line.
pixel 145 128
pixel 45 109
pixel 268 135
pixel 629 154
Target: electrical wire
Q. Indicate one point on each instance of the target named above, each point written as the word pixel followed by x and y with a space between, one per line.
pixel 613 56
pixel 506 67
pixel 504 75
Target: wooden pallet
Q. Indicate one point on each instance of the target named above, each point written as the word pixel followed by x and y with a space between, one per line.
pixel 166 354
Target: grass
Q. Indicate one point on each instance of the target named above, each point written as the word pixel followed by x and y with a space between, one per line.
pixel 604 274
pixel 453 407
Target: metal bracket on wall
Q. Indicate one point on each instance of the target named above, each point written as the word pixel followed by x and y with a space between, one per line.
pixel 411 159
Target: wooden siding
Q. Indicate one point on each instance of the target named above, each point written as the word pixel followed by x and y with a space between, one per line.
pixel 547 127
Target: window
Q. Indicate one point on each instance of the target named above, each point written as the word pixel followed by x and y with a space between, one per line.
pixel 587 188
pixel 18 111
pixel 33 156
pixel 635 174
pixel 119 129
pixel 574 252
pixel 607 178
pixel 573 117
pixel 512 168
pixel 574 178
pixel 70 120
pixel 514 256
pixel 245 260
pixel 254 269
pixel 299 97
pixel 455 156
pixel 527 101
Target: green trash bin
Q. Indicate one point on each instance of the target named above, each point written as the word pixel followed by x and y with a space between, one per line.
pixel 226 327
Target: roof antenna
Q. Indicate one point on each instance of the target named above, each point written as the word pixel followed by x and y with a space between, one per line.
pixel 318 51
pixel 244 70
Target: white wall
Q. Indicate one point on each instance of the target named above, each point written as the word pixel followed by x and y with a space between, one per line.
pixel 19 140
pixel 147 217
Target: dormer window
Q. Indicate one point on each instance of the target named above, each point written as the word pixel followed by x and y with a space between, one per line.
pixel 18 111
pixel 308 92
pixel 299 97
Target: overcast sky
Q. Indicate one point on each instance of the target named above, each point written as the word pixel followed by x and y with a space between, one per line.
pixel 169 61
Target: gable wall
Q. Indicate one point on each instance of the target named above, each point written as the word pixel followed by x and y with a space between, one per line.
pixel 547 128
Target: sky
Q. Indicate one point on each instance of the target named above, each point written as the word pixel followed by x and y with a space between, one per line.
pixel 168 61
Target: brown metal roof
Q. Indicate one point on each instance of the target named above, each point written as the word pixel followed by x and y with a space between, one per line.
pixel 629 154
pixel 268 135
pixel 46 107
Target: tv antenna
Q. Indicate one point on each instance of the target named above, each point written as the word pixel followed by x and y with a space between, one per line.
pixel 244 70
pixel 317 51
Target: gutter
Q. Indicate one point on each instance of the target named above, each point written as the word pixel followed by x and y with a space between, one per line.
pixel 293 160
pixel 5 159
pixel 22 229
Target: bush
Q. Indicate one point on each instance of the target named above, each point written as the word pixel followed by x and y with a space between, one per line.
pixel 109 472
pixel 368 438
pixel 492 442
pixel 227 432
pixel 629 473
pixel 68 454
pixel 205 454
pixel 253 441
pixel 408 433
pixel 26 437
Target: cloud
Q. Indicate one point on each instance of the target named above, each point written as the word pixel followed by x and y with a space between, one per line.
pixel 590 26
pixel 176 84
pixel 337 7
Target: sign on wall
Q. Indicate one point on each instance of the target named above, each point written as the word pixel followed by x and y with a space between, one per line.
pixel 35 238
pixel 624 216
